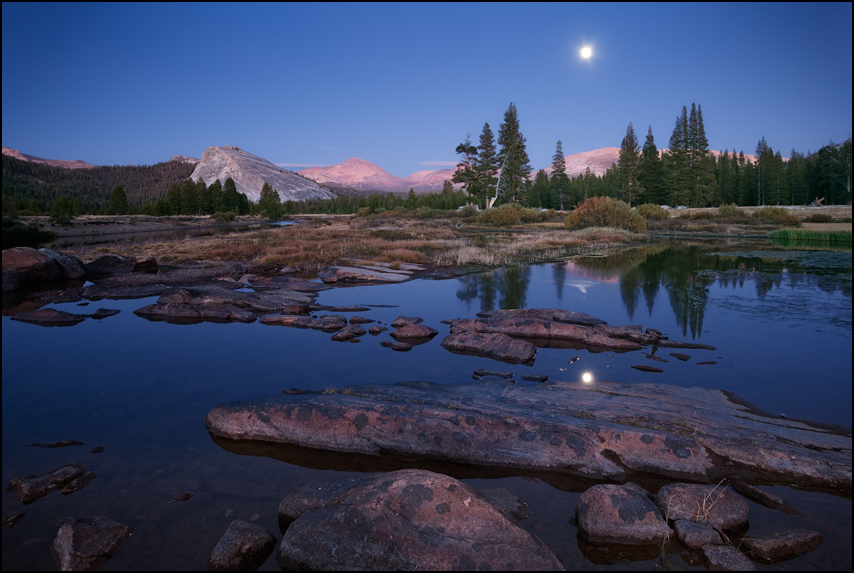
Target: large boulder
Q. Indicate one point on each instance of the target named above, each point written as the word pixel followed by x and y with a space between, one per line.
pixel 23 266
pixel 86 544
pixel 70 267
pixel 117 264
pixel 408 520
pixel 624 514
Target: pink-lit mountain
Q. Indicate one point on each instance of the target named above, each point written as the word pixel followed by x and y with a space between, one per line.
pixel 76 164
pixel 360 174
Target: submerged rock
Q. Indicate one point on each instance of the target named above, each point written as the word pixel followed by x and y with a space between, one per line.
pixel 622 514
pixel 632 427
pixel 646 368
pixel 404 520
pixel 549 314
pixel 30 488
pixel 97 292
pixel 349 332
pixel 49 317
pixel 402 321
pixel 243 547
pixel 86 544
pixel 784 545
pixel 360 275
pixel 414 331
pixel 726 558
pixel 544 330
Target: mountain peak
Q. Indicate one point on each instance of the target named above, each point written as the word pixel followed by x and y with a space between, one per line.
pixel 250 172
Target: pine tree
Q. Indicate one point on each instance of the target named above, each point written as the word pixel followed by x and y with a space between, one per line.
pixel 269 201
pixel 517 166
pixel 560 181
pixel 706 187
pixel 119 201
pixel 628 167
pixel 539 195
pixel 173 195
pixel 230 196
pixel 677 161
pixel 762 157
pixel 189 199
pixel 650 171
pixel 486 165
pixel 465 173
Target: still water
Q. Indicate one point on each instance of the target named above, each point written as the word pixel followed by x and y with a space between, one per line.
pixel 781 322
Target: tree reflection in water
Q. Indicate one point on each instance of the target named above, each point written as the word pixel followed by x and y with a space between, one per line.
pixel 685 272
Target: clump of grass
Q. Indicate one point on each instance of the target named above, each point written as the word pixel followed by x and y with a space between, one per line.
pixel 819 218
pixel 777 215
pixel 813 236
pixel 730 210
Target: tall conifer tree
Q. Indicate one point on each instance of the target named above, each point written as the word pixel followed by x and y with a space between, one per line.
pixel 559 181
pixel 650 170
pixel 512 142
pixel 628 166
pixel 486 165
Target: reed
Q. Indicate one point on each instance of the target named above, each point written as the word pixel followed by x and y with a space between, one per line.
pixel 812 236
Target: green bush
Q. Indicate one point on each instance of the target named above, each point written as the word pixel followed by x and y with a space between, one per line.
pixel 504 215
pixel 652 212
pixel 466 212
pixel 530 215
pixel 768 213
pixel 605 212
pixel 363 212
pixel 730 210
pixel 221 217
pixel 819 218
pixel 426 213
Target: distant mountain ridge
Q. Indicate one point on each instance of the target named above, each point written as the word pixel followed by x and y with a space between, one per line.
pixel 357 173
pixel 250 172
pixel 76 164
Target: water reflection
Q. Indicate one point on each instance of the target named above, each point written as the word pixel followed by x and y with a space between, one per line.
pixel 684 272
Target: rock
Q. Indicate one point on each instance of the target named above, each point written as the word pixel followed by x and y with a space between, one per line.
pixel 626 428
pixel 359 275
pixel 96 450
pixel 86 544
pixel 103 313
pixel 542 329
pixel 178 313
pixel 404 520
pixel 10 520
pixel 506 502
pixel 320 307
pixel 361 320
pixel 765 498
pixel 400 346
pixel 23 267
pixel 243 547
pixel 264 302
pixel 78 483
pixel 711 505
pixel 49 317
pixel 323 324
pixel 726 558
pixel 401 321
pixel 349 332
pixel 549 314
pixel 30 488
pixel 694 535
pixel 498 373
pixel 646 368
pixel 375 330
pixel 707 362
pixel 676 344
pixel 97 292
pixel 656 358
pixel 70 267
pixel 622 514
pixel 783 545
pixel 497 346
pixel 534 378
pixel 680 356
pixel 116 264
pixel 59 444
pixel 413 331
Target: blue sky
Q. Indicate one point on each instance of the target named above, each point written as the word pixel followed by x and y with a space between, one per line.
pixel 400 85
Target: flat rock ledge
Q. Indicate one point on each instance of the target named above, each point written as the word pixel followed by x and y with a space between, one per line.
pixel 603 430
pixel 408 520
pixel 360 275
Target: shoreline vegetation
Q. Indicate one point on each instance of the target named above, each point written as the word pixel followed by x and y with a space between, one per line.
pixel 435 238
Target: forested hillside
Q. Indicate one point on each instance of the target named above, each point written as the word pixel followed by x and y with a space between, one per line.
pixel 33 187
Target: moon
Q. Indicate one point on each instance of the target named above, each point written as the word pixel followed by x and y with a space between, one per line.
pixel 586 52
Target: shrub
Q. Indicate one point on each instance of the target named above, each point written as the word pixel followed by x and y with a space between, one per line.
pixel 605 212
pixel 426 213
pixel 466 212
pixel 530 215
pixel 819 218
pixel 730 210
pixel 768 213
pixel 363 212
pixel 650 211
pixel 504 215
pixel 221 217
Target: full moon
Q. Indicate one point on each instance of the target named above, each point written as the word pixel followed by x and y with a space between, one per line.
pixel 586 52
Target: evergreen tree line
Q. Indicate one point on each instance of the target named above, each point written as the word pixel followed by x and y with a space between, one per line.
pixel 32 188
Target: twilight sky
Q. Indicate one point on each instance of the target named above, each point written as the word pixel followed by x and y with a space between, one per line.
pixel 400 85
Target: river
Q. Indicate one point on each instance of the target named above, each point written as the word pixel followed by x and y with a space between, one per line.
pixel 780 319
